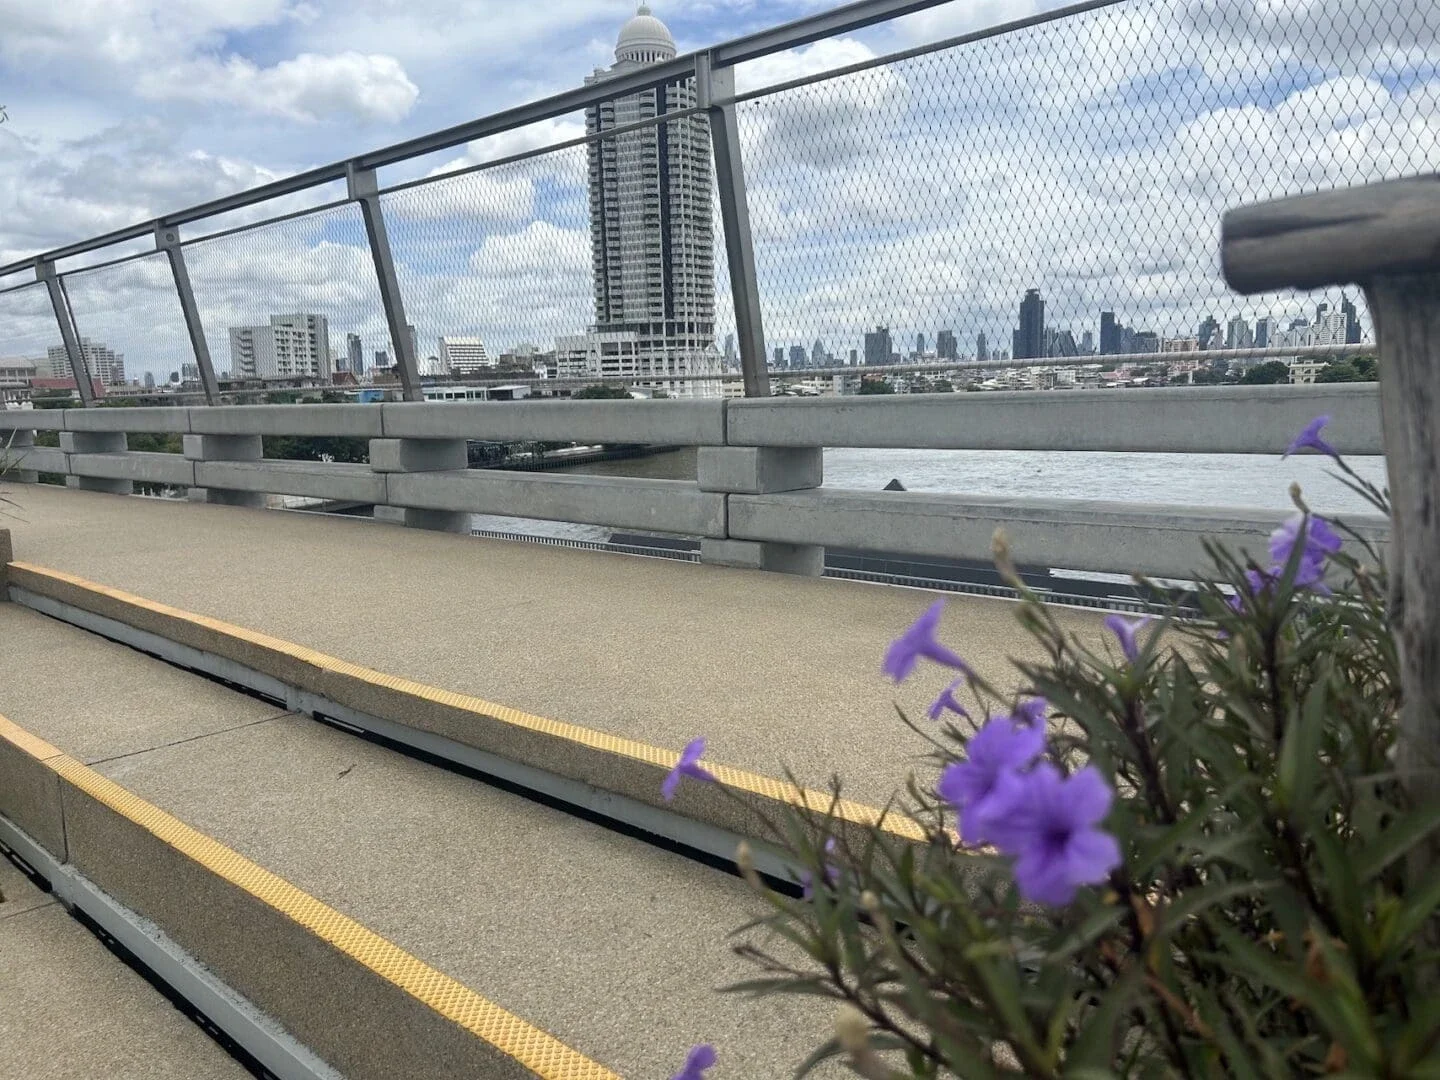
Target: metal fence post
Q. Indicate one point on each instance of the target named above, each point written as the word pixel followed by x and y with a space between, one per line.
pixel 713 84
pixel 69 337
pixel 167 239
pixel 364 190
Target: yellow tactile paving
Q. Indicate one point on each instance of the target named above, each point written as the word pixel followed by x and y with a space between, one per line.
pixel 737 779
pixel 537 1050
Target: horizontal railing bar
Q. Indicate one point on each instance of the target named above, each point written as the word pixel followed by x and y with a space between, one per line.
pixel 673 506
pixel 1174 420
pixel 340 481
pixel 253 225
pixel 354 420
pixel 693 423
pixel 1072 534
pixel 541 151
pixel 144 466
pixel 802 31
pixel 887 59
pixel 120 260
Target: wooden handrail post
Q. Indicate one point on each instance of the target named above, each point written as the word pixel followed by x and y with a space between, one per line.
pixel 1385 238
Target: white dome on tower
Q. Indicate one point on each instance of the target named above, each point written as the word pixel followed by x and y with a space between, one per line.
pixel 645 39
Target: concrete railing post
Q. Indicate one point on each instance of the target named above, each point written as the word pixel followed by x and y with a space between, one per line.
pixel 420 455
pixel 96 442
pixel 224 448
pixel 1386 238
pixel 761 470
pixel 13 444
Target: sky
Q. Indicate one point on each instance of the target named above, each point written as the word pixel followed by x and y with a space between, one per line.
pixel 1092 158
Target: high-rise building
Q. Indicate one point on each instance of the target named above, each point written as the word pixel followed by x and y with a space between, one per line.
pixel 190 373
pixel 464 355
pixel 651 232
pixel 982 347
pixel 920 344
pixel 1238 334
pixel 1146 341
pixel 1029 336
pixel 101 361
pixel 1208 332
pixel 291 347
pixel 1109 337
pixel 1352 321
pixel 797 356
pixel 878 349
pixel 1087 343
pixel 355 354
pixel 779 356
pixel 149 380
pixel 854 357
pixel 1264 331
pixel 732 362
pixel 382 360
pixel 818 355
pixel 946 347
pixel 1330 328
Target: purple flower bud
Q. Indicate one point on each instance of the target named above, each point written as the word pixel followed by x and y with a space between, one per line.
pixel 1309 439
pixel 688 765
pixel 917 642
pixel 697 1061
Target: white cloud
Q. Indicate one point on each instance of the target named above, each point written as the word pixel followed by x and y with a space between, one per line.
pixel 306 88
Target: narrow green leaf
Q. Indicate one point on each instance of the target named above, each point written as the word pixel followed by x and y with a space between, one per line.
pixel 1398 839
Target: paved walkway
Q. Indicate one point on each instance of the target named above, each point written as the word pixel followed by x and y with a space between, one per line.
pixel 70 1008
pixel 778 671
pixel 611 945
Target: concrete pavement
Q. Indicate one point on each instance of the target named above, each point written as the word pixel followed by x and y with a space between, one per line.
pixel 612 946
pixel 776 670
pixel 71 1008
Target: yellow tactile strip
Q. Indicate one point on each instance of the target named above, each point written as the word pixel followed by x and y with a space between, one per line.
pixel 738 779
pixel 537 1050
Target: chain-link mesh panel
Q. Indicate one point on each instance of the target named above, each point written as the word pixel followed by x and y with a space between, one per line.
pixel 130 324
pixel 281 302
pixel 590 261
pixel 28 332
pixel 1091 159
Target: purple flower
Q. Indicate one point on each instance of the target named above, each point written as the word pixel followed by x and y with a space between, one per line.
pixel 981 787
pixel 1032 712
pixel 1320 543
pixel 1309 439
pixel 832 873
pixel 697 1061
pixel 1126 629
pixel 946 700
pixel 1051 831
pixel 688 765
pixel 906 650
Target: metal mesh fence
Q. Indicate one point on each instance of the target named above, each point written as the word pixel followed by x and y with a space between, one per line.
pixel 130 324
pixel 1090 159
pixel 590 260
pixel 28 331
pixel 287 300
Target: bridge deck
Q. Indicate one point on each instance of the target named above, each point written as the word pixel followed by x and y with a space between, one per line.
pixel 777 671
pixel 611 945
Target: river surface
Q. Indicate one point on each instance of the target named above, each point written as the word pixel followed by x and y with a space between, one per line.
pixel 1220 480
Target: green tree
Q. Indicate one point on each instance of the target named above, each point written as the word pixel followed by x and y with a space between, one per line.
pixel 1367 367
pixel 1206 377
pixel 876 386
pixel 1272 371
pixel 317 448
pixel 600 391
pixel 1337 372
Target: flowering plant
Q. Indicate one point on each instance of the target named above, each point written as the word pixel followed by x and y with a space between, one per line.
pixel 1186 852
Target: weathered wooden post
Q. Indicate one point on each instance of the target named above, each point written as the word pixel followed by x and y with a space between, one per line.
pixel 1385 238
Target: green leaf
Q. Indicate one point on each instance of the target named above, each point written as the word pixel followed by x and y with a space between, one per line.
pixel 1419 906
pixel 1398 839
pixel 1299 761
pixel 830 1048
pixel 1094 1049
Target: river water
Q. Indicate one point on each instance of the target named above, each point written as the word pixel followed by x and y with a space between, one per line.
pixel 1219 480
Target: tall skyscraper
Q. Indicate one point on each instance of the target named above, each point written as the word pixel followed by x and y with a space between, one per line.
pixel 1208 333
pixel 651 233
pixel 1029 336
pixel 1109 336
pixel 878 349
pixel 945 345
pixel 818 356
pixel 355 352
pixel 1264 331
pixel 982 347
pixel 797 356
pixel 1352 320
pixel 1238 334
pixel 779 356
pixel 1087 343
pixel 920 344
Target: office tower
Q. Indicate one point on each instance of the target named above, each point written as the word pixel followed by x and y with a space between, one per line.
pixel 878 349
pixel 355 354
pixel 1109 335
pixel 1208 333
pixel 797 356
pixel 982 347
pixel 1264 331
pixel 1238 334
pixel 1029 337
pixel 1352 321
pixel 945 346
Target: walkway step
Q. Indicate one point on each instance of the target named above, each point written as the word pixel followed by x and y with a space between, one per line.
pixel 71 1008
pixel 397 900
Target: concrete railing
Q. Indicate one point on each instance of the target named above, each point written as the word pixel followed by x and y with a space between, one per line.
pixel 757 499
